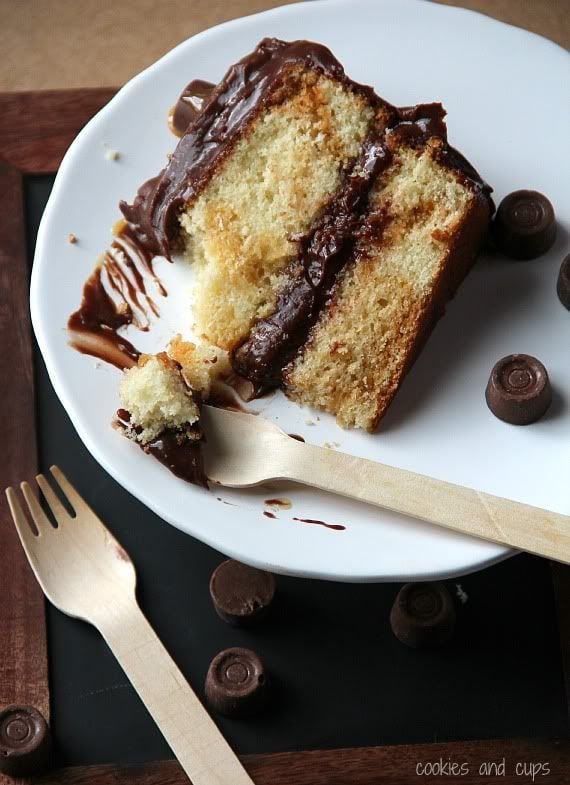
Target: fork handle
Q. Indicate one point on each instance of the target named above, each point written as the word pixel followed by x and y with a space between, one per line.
pixel 503 521
pixel 195 740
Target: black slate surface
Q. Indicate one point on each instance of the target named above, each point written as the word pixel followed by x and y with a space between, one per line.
pixel 342 679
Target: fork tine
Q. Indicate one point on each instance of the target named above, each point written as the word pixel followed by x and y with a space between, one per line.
pixel 42 522
pixel 58 510
pixel 77 502
pixel 21 522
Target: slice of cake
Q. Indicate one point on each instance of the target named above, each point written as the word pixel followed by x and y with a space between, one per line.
pixel 327 229
pixel 425 217
pixel 374 274
pixel 261 162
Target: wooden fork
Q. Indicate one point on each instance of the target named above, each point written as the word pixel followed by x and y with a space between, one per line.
pixel 243 450
pixel 85 573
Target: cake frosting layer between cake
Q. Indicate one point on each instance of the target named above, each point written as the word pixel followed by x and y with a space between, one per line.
pixel 322 252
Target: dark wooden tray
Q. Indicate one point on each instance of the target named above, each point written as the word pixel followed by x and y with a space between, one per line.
pixel 35 131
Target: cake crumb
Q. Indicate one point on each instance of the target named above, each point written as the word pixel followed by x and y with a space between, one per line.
pixel 72 238
pixel 461 594
pixel 310 422
pixel 331 445
pixel 158 399
pixel 112 155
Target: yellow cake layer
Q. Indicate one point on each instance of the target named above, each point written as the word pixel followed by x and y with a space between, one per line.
pixel 428 228
pixel 201 364
pixel 240 231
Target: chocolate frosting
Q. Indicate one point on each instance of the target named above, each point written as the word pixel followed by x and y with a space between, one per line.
pixel 212 121
pixel 233 104
pixel 189 105
pixel 178 451
pixel 94 326
pixel 416 124
pixel 182 457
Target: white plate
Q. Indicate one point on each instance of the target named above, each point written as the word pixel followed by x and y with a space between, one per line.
pixel 508 112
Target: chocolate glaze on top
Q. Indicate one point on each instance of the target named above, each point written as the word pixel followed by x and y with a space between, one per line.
pixel 421 121
pixel 216 119
pixel 189 105
pixel 240 95
pixel 416 124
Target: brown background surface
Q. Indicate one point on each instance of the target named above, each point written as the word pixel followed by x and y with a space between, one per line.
pixel 48 44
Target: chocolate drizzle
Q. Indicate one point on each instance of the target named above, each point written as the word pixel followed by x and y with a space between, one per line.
pixel 337 527
pixel 233 104
pixel 114 296
pixel 284 503
pixel 189 105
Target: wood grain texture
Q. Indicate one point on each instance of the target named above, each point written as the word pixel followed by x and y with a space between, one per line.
pixel 97 43
pixel 561 583
pixel 93 44
pixel 186 725
pixel 352 766
pixel 23 651
pixel 243 450
pixel 85 573
pixel 37 128
pixel 549 18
